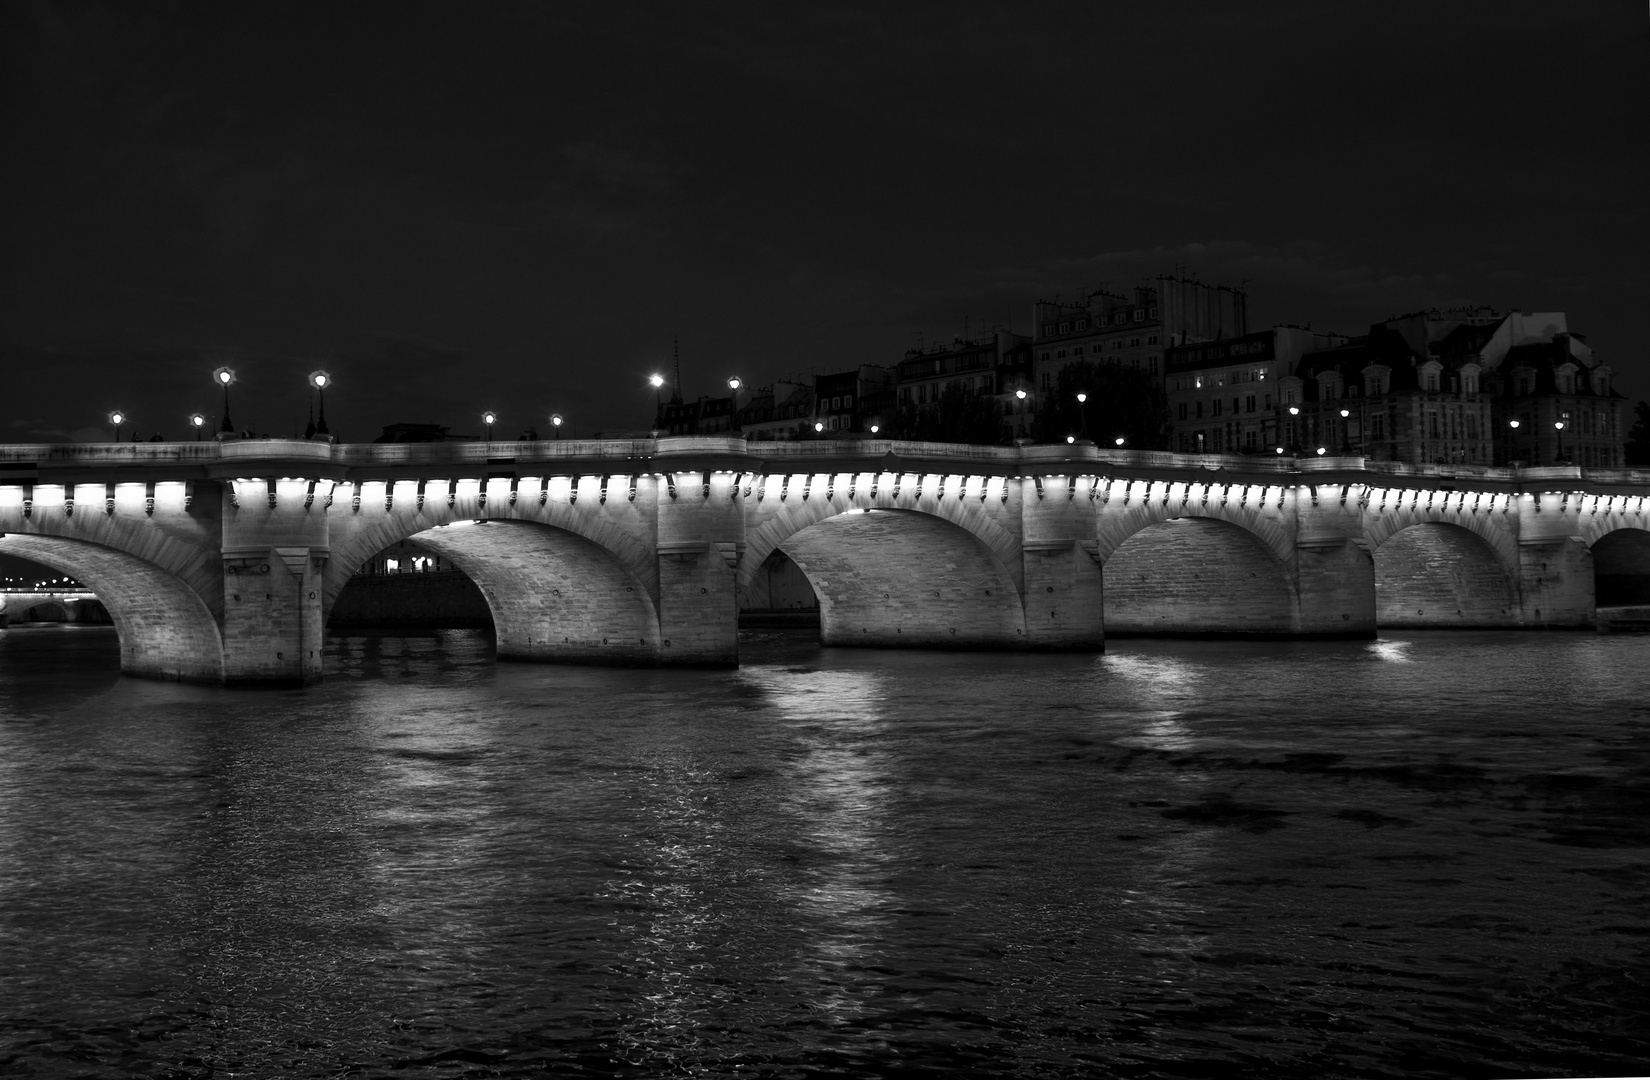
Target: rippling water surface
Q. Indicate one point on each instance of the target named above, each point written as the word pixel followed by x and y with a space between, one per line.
pixel 1425 855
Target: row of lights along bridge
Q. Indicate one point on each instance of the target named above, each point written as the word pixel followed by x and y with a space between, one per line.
pixel 657 381
pixel 224 376
pixel 1346 447
pixel 320 380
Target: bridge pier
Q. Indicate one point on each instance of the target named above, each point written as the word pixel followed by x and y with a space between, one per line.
pixel 1334 570
pixel 1555 565
pixel 1555 583
pixel 272 625
pixel 701 541
pixel 1064 593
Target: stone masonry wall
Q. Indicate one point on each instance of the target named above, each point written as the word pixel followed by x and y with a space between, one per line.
pixel 1192 576
pixel 904 579
pixel 1438 575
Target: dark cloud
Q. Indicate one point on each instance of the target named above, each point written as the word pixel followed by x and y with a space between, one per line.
pixel 518 206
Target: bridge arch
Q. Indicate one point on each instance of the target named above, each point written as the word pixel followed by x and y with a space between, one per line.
pixel 43 611
pixel 1494 529
pixel 903 578
pixel 166 630
pixel 618 527
pixel 554 595
pixel 1440 573
pixel 172 543
pixel 1199 574
pixel 772 520
pixel 1621 564
pixel 1119 523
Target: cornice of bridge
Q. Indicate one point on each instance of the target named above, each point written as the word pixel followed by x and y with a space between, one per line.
pixel 86 463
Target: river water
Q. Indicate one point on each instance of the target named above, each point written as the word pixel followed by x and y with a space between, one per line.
pixel 1427 855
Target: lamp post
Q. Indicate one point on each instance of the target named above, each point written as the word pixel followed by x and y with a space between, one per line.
pixel 556 422
pixel 734 383
pixel 117 418
pixel 223 377
pixel 1512 434
pixel 1020 404
pixel 489 418
pixel 1294 433
pixel 1083 413
pixel 321 380
pixel 197 421
pixel 1346 434
pixel 1558 426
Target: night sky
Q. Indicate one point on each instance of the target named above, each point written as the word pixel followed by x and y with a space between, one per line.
pixel 518 205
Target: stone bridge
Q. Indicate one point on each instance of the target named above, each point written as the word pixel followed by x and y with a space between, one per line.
pixel 69 605
pixel 220 562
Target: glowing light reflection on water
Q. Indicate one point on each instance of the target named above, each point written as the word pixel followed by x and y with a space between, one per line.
pixel 1421 855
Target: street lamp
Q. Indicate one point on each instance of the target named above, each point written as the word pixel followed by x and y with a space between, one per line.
pixel 1294 435
pixel 321 380
pixel 657 381
pixel 556 422
pixel 223 377
pixel 1082 413
pixel 1558 426
pixel 734 383
pixel 489 418
pixel 197 421
pixel 1346 434
pixel 1512 436
pixel 1119 440
pixel 118 418
pixel 1070 439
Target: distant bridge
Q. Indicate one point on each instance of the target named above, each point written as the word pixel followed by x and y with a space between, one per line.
pixel 37 605
pixel 220 562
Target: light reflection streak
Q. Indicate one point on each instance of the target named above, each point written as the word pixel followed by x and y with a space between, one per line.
pixel 675 926
pixel 838 785
pixel 1394 652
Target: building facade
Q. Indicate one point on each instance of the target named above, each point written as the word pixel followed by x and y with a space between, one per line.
pixel 1225 396
pixel 1553 403
pixel 996 365
pixel 850 402
pixel 1134 330
pixel 782 410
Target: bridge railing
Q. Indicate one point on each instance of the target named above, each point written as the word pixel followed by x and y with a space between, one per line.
pixel 111 453
pixel 480 453
pixel 33 462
